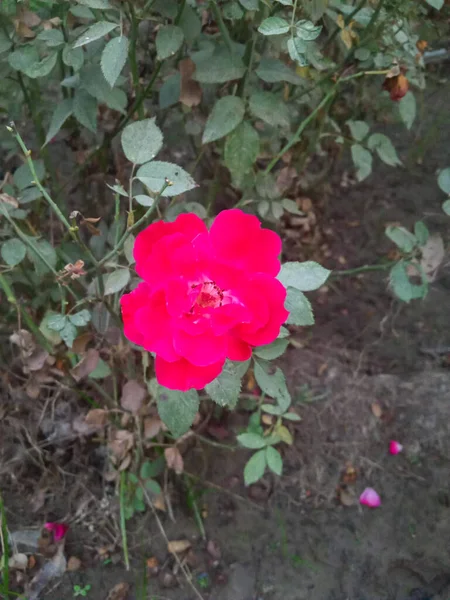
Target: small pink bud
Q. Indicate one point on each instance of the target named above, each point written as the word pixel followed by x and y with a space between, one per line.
pixel 395 447
pixel 59 530
pixel 370 498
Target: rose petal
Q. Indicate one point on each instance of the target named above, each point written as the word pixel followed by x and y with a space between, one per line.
pixel 59 530
pixel 183 375
pixel 370 498
pixel 395 447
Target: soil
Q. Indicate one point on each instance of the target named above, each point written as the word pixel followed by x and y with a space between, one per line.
pixel 370 371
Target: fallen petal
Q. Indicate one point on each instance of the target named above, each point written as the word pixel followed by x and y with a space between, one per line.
pixel 59 530
pixel 370 498
pixel 395 447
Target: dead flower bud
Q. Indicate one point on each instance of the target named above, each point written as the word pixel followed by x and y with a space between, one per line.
pixel 73 270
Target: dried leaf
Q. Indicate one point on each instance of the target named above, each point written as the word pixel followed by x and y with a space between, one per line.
pixel 7 199
pixel 86 365
pixel 191 91
pixel 29 18
pixel 97 417
pixel 52 569
pixel 152 426
pixel 24 340
pixel 119 592
pixel 37 360
pixel 174 459
pixel 213 550
pixel 80 343
pixel 133 396
pixel 432 255
pixel 159 503
pixel 152 565
pixel 347 496
pixel 73 564
pixel 178 546
pixel 377 410
pixel 121 443
pixel 286 178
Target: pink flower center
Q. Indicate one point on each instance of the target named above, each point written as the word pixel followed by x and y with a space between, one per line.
pixel 209 295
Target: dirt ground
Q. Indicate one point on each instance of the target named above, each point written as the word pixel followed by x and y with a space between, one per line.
pixel 370 371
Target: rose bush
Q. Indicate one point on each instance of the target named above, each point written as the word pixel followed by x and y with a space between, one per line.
pixel 206 295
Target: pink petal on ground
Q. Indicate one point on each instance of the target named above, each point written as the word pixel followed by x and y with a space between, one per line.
pixel 370 498
pixel 59 530
pixel 395 447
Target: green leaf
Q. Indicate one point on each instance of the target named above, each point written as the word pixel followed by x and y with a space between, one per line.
pixel 272 70
pixel 274 26
pixel 150 469
pixel 116 281
pixel 95 84
pixel 56 322
pixel 101 371
pixel 42 68
pixel 250 4
pixel 241 150
pixel 227 66
pixel 154 175
pixel 272 409
pixel 272 382
pixel 73 57
pixel 82 12
pixel 255 467
pixel 5 42
pixel 358 129
pixel 169 92
pixel 408 109
pixel 68 334
pixel 225 389
pixel 273 350
pixel 141 141
pixel 52 37
pixel 292 207
pixel 225 116
pixel 304 276
pixel 444 180
pixel 297 48
pixel 85 109
pixel 274 460
pixel 286 2
pixel 114 57
pixel 291 416
pixel 168 41
pixel 94 32
pixel 362 159
pixel 268 107
pixel 299 307
pixel 46 250
pixel 232 11
pixel 437 4
pixel 446 207
pixel 144 200
pixel 362 54
pixel 29 195
pixel 401 237
pixel 13 252
pixel 23 58
pixel 62 112
pixel 190 23
pixel 307 31
pixel 251 440
pixel 95 3
pixel 384 148
pixel 50 334
pixel 81 318
pixel 421 232
pixel 402 286
pixel 284 333
pixel 23 177
pixel 177 409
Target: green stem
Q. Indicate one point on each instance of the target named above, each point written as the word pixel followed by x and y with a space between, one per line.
pixel 123 525
pixel 129 231
pixel 363 269
pixel 194 505
pixel 132 55
pixel 221 24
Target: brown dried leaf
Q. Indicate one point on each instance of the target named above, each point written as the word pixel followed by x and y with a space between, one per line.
pixel 133 396
pixel 377 410
pixel 152 426
pixel 73 564
pixel 191 91
pixel 29 18
pixel 7 199
pixel 121 442
pixel 23 30
pixel 119 592
pixel 37 360
pixel 178 546
pixel 24 340
pixel 213 549
pixel 86 365
pixel 159 503
pixel 174 459
pixel 97 417
pixel 286 178
pixel 80 343
pixel 91 220
pixel 125 463
pixel 347 496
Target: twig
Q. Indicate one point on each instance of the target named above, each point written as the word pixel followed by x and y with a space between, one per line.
pixel 363 269
pixel 221 25
pixel 163 533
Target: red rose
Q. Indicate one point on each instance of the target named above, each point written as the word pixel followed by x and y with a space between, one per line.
pixel 206 295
